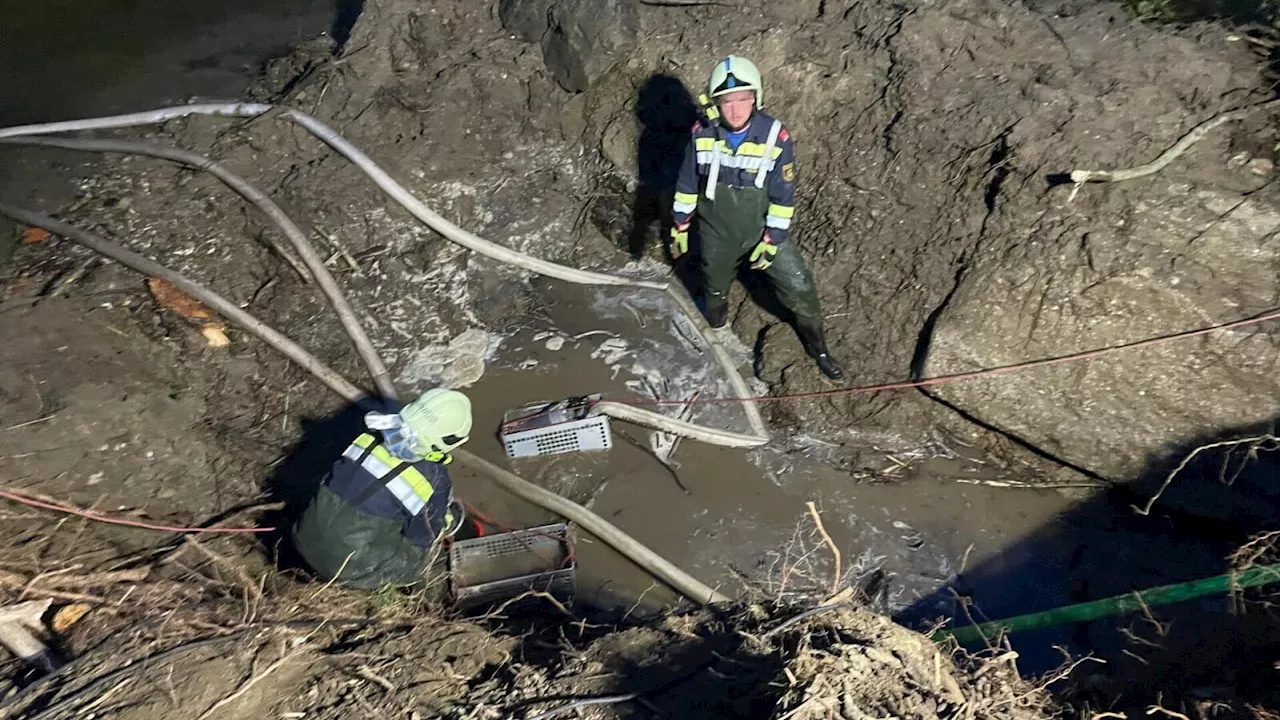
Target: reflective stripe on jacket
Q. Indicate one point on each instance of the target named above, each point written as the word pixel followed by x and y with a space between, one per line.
pixel 739 169
pixel 377 483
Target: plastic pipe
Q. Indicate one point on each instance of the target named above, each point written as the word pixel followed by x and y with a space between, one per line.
pixel 1117 605
pixel 657 421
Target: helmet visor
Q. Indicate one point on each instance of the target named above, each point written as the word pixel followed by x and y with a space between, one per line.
pixel 453 441
pixel 732 83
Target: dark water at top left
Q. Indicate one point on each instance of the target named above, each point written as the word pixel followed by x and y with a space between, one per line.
pixel 73 58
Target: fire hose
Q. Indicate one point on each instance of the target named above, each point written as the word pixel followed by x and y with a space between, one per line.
pixel 759 433
pixel 601 528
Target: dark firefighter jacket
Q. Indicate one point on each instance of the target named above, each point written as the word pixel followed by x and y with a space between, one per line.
pixel 375 517
pixel 739 169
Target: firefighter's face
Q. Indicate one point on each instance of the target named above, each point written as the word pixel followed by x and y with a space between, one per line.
pixel 736 108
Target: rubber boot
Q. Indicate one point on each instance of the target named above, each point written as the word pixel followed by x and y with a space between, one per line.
pixel 815 343
pixel 717 314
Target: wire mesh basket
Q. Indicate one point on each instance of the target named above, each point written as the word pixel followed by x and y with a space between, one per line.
pixel 500 567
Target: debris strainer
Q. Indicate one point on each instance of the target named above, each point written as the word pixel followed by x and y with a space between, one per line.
pixel 503 566
pixel 553 428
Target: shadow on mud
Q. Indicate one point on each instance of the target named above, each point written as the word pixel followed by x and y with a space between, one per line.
pixel 298 477
pixel 345 15
pixel 665 112
pixel 1215 647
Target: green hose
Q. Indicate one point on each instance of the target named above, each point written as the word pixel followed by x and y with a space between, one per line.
pixel 1117 605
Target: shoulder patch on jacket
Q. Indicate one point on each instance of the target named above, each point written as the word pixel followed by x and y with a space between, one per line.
pixel 789 172
pixel 697 125
pixel 784 136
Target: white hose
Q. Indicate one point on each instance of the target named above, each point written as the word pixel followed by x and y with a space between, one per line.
pixel 657 421
pixel 628 546
pixel 439 224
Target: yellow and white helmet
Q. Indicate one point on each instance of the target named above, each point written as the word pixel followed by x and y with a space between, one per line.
pixel 736 73
pixel 440 420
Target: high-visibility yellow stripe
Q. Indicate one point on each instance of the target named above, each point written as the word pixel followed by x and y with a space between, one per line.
pixel 781 211
pixel 686 197
pixel 752 149
pixel 412 477
pixel 421 487
pixel 747 149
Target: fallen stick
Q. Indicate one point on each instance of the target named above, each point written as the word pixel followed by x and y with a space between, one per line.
pixel 817 519
pixel 604 530
pixel 1173 153
pixel 249 585
pixel 252 681
pixel 1168 480
pixel 55 594
pixel 586 702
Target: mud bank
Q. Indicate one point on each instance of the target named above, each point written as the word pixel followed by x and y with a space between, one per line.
pixel 928 134
pixel 290 660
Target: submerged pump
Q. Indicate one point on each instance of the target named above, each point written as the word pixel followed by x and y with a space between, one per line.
pixel 551 428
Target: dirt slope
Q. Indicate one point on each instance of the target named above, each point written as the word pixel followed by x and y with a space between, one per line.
pixel 928 135
pixel 848 664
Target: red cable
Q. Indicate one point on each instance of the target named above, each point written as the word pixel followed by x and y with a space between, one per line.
pixel 941 380
pixel 946 379
pixel 99 517
pixel 486 519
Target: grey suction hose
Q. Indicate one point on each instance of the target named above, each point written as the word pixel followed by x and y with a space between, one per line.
pixel 454 233
pixel 318 271
pixel 601 528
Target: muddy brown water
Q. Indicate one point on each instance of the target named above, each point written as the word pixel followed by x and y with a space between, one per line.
pixel 737 520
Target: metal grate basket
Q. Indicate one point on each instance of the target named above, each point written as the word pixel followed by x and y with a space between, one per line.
pixel 554 428
pixel 499 567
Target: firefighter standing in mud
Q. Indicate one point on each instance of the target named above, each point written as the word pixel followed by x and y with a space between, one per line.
pixel 738 177
pixel 382 510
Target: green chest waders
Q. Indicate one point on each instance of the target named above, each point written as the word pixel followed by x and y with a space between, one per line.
pixel 731 225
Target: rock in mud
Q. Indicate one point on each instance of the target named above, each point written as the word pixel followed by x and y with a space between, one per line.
pixel 526 19
pixel 1184 260
pixel 586 37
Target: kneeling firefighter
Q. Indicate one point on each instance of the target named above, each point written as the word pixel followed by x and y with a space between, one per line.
pixel 738 177
pixel 384 507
